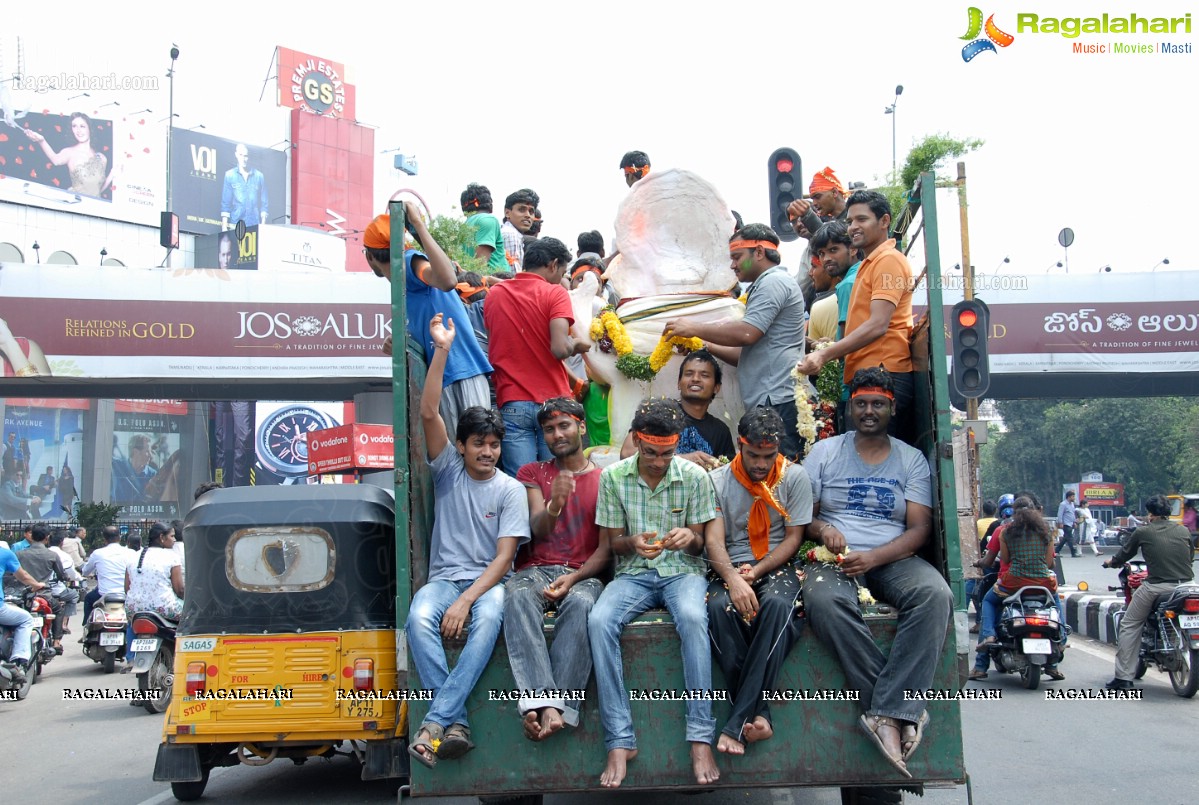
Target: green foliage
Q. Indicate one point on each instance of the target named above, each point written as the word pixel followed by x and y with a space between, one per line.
pixel 1146 444
pixel 828 382
pixel 94 517
pixel 930 153
pixel 635 367
pixel 458 239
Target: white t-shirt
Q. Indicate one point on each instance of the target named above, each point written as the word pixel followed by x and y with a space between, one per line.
pixel 109 563
pixel 150 585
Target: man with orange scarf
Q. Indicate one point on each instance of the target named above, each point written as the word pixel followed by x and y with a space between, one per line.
pixel 763 505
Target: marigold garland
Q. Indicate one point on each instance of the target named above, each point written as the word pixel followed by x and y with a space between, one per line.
pixel 661 354
pixel 609 332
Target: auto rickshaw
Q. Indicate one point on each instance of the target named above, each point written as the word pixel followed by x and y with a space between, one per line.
pixel 289 620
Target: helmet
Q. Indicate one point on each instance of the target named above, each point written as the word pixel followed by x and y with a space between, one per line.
pixel 1006 506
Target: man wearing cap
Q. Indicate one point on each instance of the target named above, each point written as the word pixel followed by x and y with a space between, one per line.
pixel 879 322
pixel 873 495
pixel 431 288
pixel 652 510
pixel 770 335
pixel 763 505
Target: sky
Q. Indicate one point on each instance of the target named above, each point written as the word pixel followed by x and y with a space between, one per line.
pixel 550 95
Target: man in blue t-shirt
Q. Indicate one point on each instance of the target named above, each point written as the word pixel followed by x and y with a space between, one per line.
pixel 430 283
pixel 872 494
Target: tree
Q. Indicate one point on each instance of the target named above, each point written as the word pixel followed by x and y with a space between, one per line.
pixel 458 239
pixel 928 154
pixel 94 517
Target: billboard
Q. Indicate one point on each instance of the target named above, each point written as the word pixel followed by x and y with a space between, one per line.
pixel 106 167
pixel 313 85
pixel 46 436
pixel 1101 494
pixel 193 324
pixel 270 247
pixel 147 462
pixel 217 182
pixel 333 179
pixel 281 438
pixel 224 251
pixel 351 448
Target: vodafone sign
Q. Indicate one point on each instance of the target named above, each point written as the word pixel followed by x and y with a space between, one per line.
pixel 350 447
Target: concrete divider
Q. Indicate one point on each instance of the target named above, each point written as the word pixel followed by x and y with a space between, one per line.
pixel 1093 615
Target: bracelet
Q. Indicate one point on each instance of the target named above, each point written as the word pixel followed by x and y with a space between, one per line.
pixel 552 513
pixel 826 525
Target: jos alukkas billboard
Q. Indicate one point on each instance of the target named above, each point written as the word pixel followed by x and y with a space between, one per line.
pixel 117 322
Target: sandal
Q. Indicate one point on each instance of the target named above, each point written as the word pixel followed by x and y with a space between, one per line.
pixel 912 734
pixel 870 725
pixel 977 674
pixel 434 731
pixel 1055 674
pixel 985 642
pixel 456 742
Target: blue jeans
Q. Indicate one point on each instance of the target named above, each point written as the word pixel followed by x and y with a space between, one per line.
pixel 925 604
pixel 452 688
pixel 623 600
pixel 567 664
pixel 22 622
pixel 523 442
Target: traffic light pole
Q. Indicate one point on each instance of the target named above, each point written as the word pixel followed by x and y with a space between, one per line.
pixel 967 269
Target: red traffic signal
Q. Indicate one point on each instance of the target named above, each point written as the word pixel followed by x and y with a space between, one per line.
pixel 971 373
pixel 785 186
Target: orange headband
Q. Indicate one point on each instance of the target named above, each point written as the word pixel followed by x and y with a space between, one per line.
pixel 631 169
pixel 764 445
pixel 657 441
pixel 552 414
pixel 584 268
pixel 752 244
pixel 873 390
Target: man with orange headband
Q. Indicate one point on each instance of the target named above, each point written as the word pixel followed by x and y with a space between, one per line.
pixel 770 336
pixel 763 503
pixel 431 286
pixel 873 496
pixel 879 322
pixel 557 570
pixel 635 166
pixel 825 202
pixel 652 511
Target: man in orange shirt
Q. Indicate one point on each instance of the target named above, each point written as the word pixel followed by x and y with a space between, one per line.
pixel 879 324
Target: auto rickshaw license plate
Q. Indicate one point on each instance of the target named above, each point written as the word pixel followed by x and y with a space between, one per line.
pixel 112 638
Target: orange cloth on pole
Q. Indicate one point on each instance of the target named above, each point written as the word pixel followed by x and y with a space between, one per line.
pixel 759 514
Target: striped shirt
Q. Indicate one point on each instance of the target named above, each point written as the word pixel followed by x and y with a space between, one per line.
pixel 684 496
pixel 514 245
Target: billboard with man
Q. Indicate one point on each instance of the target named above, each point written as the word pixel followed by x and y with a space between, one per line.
pixel 218 183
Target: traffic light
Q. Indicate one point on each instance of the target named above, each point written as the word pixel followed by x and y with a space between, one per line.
pixel 785 187
pixel 971 376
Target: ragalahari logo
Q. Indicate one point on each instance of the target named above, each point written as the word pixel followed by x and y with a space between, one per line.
pixel 978 45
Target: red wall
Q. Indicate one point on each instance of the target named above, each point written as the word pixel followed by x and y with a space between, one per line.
pixel 332 178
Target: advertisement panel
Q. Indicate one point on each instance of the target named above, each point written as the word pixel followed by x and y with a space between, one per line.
pixel 351 447
pixel 272 248
pixel 45 442
pixel 281 438
pixel 224 252
pixel 313 85
pixel 107 167
pixel 148 323
pixel 146 465
pixel 218 182
pixel 1101 494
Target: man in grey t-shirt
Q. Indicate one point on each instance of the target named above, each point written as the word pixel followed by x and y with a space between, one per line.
pixel 768 342
pixel 480 517
pixel 873 495
pixel 763 504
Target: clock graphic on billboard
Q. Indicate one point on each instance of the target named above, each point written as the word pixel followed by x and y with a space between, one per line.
pixel 281 444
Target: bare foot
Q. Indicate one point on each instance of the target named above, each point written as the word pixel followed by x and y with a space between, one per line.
pixel 758 730
pixel 730 746
pixel 703 763
pixel 551 721
pixel 531 726
pixel 614 772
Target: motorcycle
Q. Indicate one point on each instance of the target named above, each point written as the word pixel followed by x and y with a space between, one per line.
pixel 1028 636
pixel 41 648
pixel 153 650
pixel 1170 635
pixel 104 633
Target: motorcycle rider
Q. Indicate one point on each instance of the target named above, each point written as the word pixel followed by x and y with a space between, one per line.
pixel 46 566
pixel 17 618
pixel 109 564
pixel 1167 549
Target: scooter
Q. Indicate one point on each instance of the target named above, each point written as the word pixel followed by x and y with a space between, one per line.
pixel 104 635
pixel 1028 636
pixel 1170 636
pixel 153 650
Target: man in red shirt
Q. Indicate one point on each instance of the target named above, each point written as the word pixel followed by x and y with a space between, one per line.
pixel 528 318
pixel 556 570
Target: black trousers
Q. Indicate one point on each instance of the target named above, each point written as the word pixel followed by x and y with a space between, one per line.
pixel 752 654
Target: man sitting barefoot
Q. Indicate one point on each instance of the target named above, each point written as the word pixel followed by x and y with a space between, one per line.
pixel 652 511
pixel 763 503
pixel 556 570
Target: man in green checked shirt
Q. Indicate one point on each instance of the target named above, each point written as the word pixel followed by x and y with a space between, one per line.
pixel 652 510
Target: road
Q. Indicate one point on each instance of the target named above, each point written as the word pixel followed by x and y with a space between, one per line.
pixel 1022 748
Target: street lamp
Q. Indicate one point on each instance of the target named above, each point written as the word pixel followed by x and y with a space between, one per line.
pixel 1057 264
pixel 37 249
pixel 103 254
pixel 890 110
pixel 1104 269
pixel 1165 261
